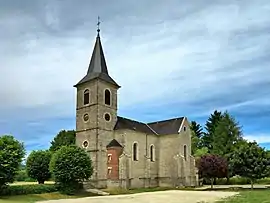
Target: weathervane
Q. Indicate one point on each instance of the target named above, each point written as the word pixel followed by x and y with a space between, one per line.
pixel 98 23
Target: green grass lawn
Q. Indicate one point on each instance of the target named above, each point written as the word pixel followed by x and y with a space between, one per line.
pixel 255 196
pixel 38 197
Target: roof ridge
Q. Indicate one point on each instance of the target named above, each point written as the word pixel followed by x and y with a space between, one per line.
pixel 160 121
pixel 132 120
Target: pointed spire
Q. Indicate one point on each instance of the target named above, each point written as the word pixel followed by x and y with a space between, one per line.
pixel 97 67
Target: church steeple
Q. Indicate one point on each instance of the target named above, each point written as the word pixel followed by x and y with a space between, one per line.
pixel 97 67
pixel 97 62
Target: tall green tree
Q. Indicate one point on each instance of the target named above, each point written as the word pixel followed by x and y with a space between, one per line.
pixel 196 128
pixel 227 137
pixel 250 161
pixel 195 141
pixel 11 155
pixel 37 165
pixel 63 138
pixel 210 127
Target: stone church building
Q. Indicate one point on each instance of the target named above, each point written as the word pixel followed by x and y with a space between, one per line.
pixel 124 152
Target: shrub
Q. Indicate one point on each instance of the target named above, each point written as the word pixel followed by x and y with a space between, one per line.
pixel 21 175
pixel 11 155
pixel 236 180
pixel 70 166
pixel 27 189
pixel 37 165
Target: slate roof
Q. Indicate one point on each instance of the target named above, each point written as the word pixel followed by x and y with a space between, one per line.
pixel 125 123
pixel 167 127
pixel 114 143
pixel 164 127
pixel 97 66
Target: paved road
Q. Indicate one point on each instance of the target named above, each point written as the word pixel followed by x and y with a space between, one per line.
pixel 172 196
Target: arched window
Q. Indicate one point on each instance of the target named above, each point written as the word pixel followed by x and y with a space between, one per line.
pixel 86 97
pixel 152 153
pixel 107 97
pixel 135 152
pixel 185 152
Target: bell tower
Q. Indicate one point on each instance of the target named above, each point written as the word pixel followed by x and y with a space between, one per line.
pixel 96 112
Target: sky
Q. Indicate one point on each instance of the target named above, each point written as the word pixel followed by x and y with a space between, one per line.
pixel 172 58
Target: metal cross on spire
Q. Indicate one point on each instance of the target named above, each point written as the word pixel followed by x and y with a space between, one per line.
pixel 98 23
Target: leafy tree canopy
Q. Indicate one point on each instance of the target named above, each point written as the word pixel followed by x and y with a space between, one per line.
pixel 212 166
pixel 70 165
pixel 250 161
pixel 201 152
pixel 63 138
pixel 37 165
pixel 11 155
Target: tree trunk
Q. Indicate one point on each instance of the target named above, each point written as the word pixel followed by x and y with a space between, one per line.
pixel 41 181
pixel 227 180
pixel 212 181
pixel 251 184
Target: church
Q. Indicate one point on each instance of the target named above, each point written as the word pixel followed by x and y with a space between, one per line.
pixel 127 153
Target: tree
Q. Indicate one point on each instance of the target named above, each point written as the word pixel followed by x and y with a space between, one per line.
pixel 63 138
pixel 226 131
pixel 11 155
pixel 210 127
pixel 37 165
pixel 70 165
pixel 196 134
pixel 201 152
pixel 195 141
pixel 250 161
pixel 197 129
pixel 227 136
pixel 212 166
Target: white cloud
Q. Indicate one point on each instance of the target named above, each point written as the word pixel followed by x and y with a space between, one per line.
pixel 259 138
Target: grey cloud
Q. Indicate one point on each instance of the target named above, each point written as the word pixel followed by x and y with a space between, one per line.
pixel 190 49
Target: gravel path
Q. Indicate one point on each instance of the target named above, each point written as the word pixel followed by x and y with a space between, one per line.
pixel 172 196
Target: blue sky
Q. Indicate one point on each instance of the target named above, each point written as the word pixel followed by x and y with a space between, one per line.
pixel 172 58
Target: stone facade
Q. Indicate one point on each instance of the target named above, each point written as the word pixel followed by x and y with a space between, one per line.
pixel 127 153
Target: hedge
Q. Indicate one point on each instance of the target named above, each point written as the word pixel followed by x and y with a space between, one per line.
pixel 237 180
pixel 27 189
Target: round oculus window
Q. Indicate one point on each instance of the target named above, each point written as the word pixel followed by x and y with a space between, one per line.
pixel 86 117
pixel 85 144
pixel 107 117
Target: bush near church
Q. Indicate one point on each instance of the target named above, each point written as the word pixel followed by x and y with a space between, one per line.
pixel 37 165
pixel 27 189
pixel 11 155
pixel 70 166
